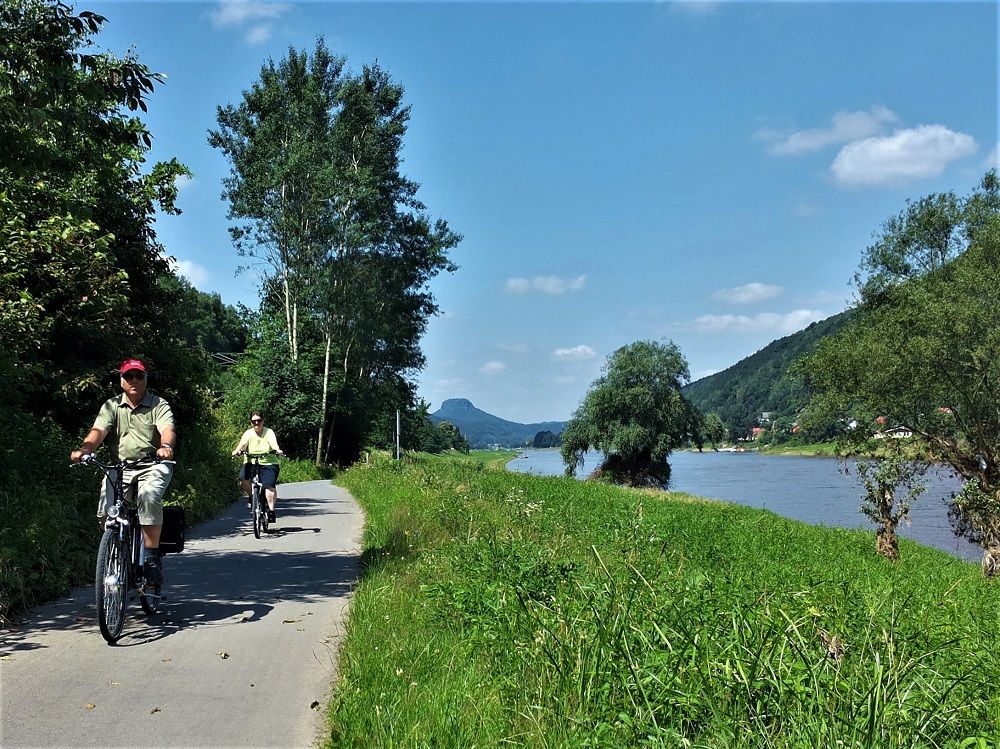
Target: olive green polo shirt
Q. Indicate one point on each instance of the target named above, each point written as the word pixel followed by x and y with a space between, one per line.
pixel 135 431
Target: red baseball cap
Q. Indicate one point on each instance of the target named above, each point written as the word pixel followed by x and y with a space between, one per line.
pixel 130 364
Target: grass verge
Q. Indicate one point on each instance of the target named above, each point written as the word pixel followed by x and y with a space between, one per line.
pixel 504 609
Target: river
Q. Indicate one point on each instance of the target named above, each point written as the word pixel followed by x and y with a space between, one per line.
pixel 814 490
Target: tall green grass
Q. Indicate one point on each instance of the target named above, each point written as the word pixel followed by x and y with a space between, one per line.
pixel 503 609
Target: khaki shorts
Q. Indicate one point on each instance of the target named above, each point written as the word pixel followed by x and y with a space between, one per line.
pixel 153 483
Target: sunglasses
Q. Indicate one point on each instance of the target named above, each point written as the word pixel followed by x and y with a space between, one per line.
pixel 133 375
pixel 256 421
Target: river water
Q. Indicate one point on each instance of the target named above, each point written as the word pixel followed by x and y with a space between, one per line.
pixel 814 490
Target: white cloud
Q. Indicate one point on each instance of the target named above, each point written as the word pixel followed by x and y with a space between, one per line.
pixel 993 159
pixel 695 7
pixel 493 367
pixel 196 274
pixel 695 376
pixel 748 293
pixel 239 12
pixel 183 181
pixel 764 322
pixel 256 18
pixel 257 34
pixel 844 127
pixel 905 155
pixel 452 383
pixel 544 284
pixel 575 353
pixel 514 348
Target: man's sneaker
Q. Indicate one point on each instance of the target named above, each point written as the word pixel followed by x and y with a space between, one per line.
pixel 248 502
pixel 153 570
pixel 270 516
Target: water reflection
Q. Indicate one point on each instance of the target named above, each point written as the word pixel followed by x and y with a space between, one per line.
pixel 815 490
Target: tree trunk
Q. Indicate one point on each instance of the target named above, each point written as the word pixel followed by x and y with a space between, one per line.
pixel 326 387
pixel 991 561
pixel 886 543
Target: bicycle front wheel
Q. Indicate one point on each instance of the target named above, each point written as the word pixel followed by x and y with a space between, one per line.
pixel 259 518
pixel 111 584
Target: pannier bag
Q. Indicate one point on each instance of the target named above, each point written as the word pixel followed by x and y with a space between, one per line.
pixel 174 526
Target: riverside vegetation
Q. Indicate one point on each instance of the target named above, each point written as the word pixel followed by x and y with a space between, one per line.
pixel 506 609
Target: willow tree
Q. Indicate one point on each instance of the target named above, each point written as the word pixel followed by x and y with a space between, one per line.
pixel 923 350
pixel 635 414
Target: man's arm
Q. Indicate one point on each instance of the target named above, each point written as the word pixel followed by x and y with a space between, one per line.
pixel 168 439
pixel 91 442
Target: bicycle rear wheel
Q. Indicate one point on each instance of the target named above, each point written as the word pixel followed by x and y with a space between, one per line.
pixel 259 518
pixel 111 584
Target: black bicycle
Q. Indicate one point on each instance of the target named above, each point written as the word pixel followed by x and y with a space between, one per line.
pixel 258 504
pixel 122 554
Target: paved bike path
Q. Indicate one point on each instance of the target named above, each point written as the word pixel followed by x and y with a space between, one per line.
pixel 241 653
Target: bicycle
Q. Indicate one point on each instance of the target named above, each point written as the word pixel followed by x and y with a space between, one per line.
pixel 258 504
pixel 121 555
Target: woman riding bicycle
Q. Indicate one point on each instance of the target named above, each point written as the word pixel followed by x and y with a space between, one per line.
pixel 258 440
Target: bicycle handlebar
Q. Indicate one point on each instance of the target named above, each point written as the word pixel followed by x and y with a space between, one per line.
pixel 91 459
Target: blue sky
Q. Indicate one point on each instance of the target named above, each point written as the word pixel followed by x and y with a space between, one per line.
pixel 704 172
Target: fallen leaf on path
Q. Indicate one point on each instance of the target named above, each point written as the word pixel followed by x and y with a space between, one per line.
pixel 289 621
pixel 300 629
pixel 223 654
pixel 166 660
pixel 154 710
pixel 314 704
pixel 91 705
pixel 115 683
pixel 5 658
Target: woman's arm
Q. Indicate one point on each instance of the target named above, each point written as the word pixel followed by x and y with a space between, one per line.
pixel 242 445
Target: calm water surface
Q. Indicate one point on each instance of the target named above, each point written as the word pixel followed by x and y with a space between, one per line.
pixel 814 490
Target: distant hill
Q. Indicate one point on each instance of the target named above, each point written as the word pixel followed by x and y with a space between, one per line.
pixel 759 383
pixel 482 429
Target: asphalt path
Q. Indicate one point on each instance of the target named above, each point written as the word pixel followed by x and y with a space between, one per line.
pixel 241 654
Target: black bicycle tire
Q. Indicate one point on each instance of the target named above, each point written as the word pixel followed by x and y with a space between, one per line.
pixel 111 609
pixel 257 512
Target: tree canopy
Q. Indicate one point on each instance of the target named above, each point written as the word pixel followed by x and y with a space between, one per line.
pixel 924 348
pixel 634 414
pixel 345 248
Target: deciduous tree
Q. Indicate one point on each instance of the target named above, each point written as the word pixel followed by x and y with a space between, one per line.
pixel 924 348
pixel 634 414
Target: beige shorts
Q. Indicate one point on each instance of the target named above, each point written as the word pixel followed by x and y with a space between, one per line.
pixel 153 483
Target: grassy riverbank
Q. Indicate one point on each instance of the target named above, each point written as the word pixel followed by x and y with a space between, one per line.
pixel 505 609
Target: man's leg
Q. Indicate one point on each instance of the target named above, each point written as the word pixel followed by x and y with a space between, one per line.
pixel 153 482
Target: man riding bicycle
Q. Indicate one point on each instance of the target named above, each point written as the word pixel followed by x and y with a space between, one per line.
pixel 140 424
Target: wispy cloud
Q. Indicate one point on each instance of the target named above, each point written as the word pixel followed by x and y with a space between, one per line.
pixel 748 293
pixel 905 155
pixel 843 128
pixel 514 348
pixel 695 7
pixel 764 322
pixel 198 275
pixel 183 181
pixel 574 353
pixel 255 19
pixel 544 284
pixel 993 159
pixel 493 367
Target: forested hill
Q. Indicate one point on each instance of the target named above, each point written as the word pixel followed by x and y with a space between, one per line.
pixel 483 429
pixel 759 383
